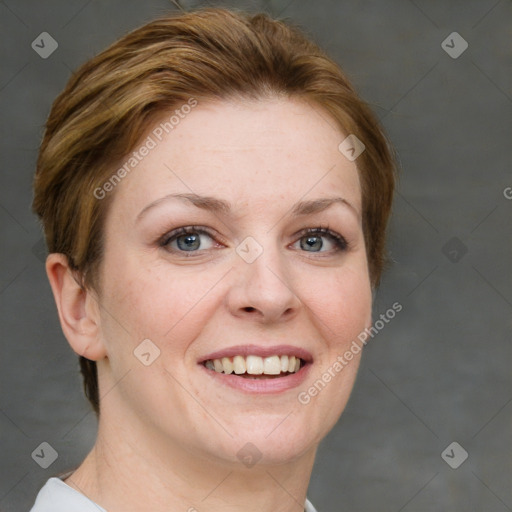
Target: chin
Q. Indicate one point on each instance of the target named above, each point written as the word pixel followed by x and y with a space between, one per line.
pixel 268 439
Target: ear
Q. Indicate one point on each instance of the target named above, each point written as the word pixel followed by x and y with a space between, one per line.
pixel 78 309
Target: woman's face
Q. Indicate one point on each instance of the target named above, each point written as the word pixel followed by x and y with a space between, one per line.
pixel 247 280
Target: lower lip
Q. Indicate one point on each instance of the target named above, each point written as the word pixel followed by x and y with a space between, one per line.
pixel 260 386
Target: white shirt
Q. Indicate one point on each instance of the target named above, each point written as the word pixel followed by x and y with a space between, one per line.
pixel 57 496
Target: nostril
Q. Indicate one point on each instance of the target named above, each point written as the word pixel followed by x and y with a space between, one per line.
pixel 249 308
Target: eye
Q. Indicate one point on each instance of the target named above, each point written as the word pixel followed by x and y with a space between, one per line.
pixel 187 239
pixel 312 240
pixel 194 239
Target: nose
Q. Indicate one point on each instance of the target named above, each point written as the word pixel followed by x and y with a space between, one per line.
pixel 263 289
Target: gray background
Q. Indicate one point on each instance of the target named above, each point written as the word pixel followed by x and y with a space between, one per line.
pixel 439 372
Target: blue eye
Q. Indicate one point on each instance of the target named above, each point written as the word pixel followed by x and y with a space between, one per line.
pixel 311 240
pixel 187 239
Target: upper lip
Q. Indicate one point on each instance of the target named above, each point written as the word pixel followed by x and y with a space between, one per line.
pixel 258 350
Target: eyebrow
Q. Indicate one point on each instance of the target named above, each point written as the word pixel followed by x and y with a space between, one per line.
pixel 216 205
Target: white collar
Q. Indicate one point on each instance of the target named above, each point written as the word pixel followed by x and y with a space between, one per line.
pixel 57 496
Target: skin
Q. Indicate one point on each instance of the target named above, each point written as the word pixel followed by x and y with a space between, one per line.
pixel 169 434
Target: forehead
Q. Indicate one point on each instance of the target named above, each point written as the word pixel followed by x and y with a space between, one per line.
pixel 249 152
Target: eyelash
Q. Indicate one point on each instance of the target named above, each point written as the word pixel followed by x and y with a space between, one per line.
pixel 339 241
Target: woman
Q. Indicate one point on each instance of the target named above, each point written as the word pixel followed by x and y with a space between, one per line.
pixel 214 197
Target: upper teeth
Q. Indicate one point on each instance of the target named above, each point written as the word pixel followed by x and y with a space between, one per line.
pixel 255 365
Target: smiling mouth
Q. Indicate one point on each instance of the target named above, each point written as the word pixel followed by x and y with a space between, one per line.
pixel 256 367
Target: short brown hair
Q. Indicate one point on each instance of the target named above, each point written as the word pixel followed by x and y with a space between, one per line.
pixel 209 53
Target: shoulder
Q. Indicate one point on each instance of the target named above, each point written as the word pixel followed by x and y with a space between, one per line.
pixel 57 496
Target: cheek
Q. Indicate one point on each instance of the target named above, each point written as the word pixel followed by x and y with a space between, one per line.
pixel 341 302
pixel 165 307
pixel 341 310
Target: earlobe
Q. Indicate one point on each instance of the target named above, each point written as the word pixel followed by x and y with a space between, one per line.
pixel 77 307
